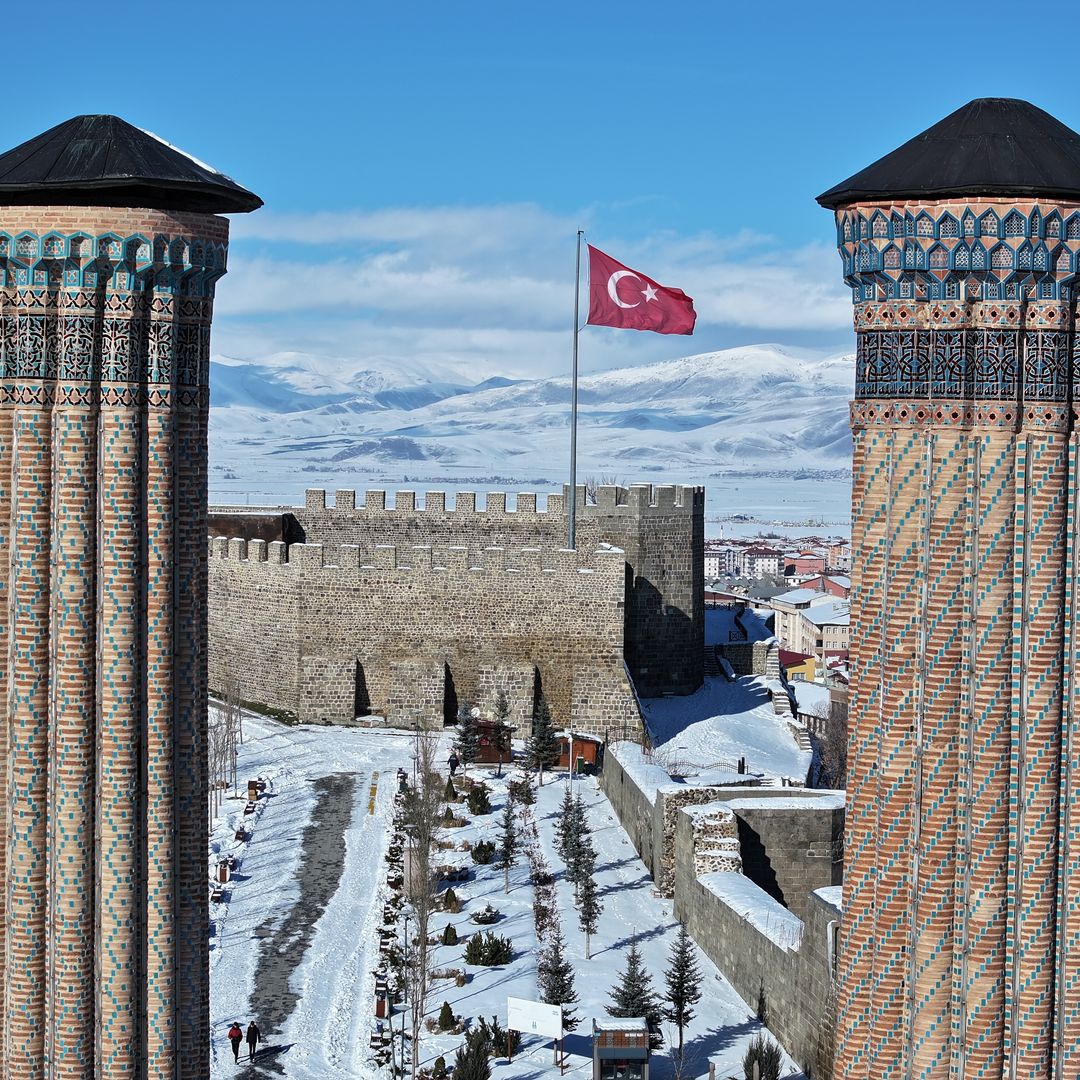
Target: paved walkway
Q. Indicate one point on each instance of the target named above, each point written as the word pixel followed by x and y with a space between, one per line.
pixel 322 860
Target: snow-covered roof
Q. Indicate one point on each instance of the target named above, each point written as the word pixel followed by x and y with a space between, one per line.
pixel 804 596
pixel 836 613
pixel 832 895
pixel 628 1024
pixel 813 800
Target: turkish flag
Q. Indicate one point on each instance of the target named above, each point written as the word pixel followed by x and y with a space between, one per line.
pixel 619 296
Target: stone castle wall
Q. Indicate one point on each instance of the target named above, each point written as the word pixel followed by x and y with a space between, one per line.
pixel 327 632
pixel 659 529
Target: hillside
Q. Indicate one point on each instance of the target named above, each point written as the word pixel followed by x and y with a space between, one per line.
pixel 293 421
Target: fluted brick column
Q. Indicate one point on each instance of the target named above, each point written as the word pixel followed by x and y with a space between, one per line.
pixel 104 348
pixel 956 956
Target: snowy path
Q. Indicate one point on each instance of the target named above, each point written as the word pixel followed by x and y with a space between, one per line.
pixel 294 942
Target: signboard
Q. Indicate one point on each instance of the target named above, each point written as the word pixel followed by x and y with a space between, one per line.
pixel 534 1017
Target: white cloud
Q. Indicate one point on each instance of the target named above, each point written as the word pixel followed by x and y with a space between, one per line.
pixel 492 287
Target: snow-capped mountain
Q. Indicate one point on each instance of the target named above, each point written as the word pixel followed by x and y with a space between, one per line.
pixel 294 421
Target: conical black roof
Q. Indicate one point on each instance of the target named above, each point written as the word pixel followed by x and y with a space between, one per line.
pixel 991 146
pixel 105 161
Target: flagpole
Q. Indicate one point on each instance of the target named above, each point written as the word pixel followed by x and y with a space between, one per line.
pixel 571 541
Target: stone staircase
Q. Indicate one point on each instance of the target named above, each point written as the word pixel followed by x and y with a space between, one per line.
pixel 712 664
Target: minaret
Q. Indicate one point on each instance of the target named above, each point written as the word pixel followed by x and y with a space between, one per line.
pixel 110 248
pixel 960 946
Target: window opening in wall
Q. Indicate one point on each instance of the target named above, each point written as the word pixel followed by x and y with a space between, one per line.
pixel 450 698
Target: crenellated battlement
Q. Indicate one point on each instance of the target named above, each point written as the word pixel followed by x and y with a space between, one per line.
pixel 610 500
pixel 606 562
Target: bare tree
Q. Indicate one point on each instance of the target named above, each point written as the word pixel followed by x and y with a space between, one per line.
pixel 833 749
pixel 594 483
pixel 421 822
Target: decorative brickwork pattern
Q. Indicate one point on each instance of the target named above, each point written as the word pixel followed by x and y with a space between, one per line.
pixel 104 349
pixel 956 958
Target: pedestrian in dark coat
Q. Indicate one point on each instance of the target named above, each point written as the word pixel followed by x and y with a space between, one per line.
pixel 236 1036
pixel 453 761
pixel 252 1040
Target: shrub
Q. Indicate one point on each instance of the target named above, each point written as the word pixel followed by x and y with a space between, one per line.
pixel 491 1038
pixel 486 915
pixel 483 852
pixel 764 1053
pixel 488 949
pixel 446 1017
pixel 478 800
pixel 450 902
pixel 522 791
pixel 438 1069
pixel 450 794
pixel 448 817
pixel 449 934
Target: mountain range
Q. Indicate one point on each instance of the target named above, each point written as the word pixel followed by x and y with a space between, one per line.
pixel 292 420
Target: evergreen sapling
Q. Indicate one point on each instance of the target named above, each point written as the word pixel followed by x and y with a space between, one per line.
pixel 508 843
pixel 683 978
pixel 500 732
pixel 633 996
pixel 542 747
pixel 589 909
pixel 467 742
pixel 555 975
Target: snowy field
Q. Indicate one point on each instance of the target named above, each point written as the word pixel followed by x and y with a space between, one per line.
pixel 297 935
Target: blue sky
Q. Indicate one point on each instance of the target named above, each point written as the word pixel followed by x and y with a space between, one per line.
pixel 425 165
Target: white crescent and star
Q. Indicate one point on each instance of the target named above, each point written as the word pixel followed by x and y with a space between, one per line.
pixel 613 289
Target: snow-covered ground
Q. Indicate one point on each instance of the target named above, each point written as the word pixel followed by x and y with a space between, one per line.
pixel 330 999
pixel 326 1033
pixel 721 722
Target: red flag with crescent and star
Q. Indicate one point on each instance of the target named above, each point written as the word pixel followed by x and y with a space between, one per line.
pixel 619 296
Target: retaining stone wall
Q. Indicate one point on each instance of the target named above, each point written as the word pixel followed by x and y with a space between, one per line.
pixel 632 806
pixel 793 971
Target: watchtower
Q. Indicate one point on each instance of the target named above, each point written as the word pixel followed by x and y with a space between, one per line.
pixel 110 248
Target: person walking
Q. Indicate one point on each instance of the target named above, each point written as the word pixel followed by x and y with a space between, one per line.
pixel 252 1040
pixel 453 761
pixel 236 1036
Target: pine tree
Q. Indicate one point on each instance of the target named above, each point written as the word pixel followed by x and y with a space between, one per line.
pixel 683 978
pixel 580 853
pixel 508 843
pixel 589 909
pixel 555 974
pixel 467 742
pixel 500 731
pixel 542 746
pixel 633 995
pixel 563 824
pixel 471 1061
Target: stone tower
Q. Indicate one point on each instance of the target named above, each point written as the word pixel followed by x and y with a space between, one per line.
pixel 110 248
pixel 960 947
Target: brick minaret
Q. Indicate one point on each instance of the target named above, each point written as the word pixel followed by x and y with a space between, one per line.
pixel 110 248
pixel 960 950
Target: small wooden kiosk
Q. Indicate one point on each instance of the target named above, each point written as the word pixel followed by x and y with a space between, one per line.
pixel 620 1048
